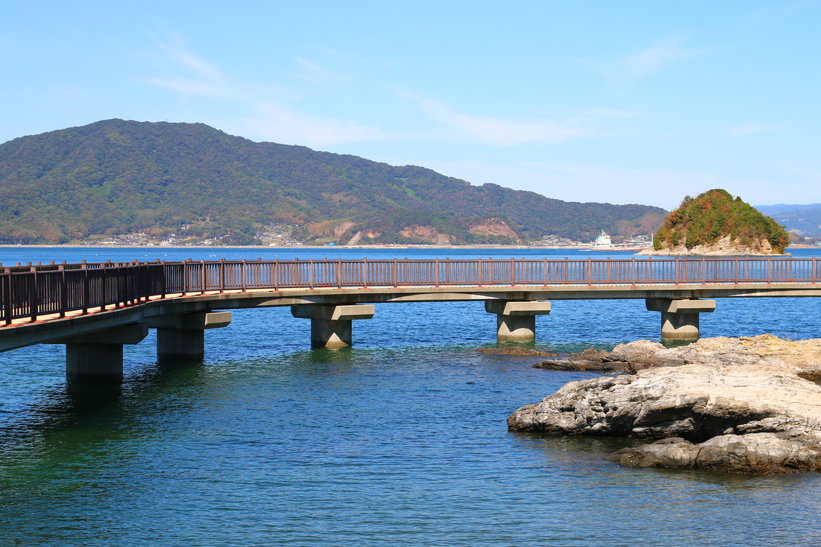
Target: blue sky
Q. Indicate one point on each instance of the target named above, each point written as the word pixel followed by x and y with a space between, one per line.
pixel 623 102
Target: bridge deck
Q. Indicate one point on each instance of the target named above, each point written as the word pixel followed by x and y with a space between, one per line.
pixel 54 326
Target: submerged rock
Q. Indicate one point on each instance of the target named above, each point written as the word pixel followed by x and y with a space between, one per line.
pixel 516 351
pixel 750 453
pixel 742 407
pixel 801 356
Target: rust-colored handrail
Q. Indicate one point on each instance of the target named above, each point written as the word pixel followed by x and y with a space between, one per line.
pixel 33 291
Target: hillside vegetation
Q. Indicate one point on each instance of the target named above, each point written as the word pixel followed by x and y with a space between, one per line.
pixel 715 216
pixel 121 177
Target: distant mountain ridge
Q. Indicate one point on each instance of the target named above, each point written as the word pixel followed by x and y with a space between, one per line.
pixel 121 177
pixel 802 219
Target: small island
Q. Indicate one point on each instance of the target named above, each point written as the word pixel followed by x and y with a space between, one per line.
pixel 715 223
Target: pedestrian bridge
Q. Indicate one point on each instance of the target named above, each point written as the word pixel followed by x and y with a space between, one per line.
pixel 93 309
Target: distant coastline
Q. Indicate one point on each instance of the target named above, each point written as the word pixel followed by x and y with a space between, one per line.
pixel 397 246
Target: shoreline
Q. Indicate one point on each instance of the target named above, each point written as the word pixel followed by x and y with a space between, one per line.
pixel 312 247
pixel 552 247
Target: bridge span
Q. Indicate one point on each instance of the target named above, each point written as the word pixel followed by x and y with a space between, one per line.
pixel 93 309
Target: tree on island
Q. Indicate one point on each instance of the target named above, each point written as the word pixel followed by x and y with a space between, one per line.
pixel 715 215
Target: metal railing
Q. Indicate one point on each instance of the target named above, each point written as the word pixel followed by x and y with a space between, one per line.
pixel 55 289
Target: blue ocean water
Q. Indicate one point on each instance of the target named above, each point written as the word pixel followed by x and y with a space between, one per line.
pixel 401 439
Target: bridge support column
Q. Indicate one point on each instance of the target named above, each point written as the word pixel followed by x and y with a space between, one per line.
pixel 98 357
pixel 331 326
pixel 679 318
pixel 516 321
pixel 181 337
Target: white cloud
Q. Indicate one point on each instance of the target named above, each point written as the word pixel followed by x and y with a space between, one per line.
pixel 643 62
pixel 498 131
pixel 180 53
pixel 268 112
pixel 747 129
pixel 270 117
pixel 652 59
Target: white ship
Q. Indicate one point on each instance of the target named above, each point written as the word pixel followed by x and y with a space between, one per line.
pixel 602 241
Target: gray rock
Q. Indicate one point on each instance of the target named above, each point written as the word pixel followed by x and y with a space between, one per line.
pixel 750 453
pixel 722 407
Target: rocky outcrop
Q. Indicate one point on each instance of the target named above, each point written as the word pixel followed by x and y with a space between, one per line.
pixel 723 247
pixel 731 404
pixel 750 453
pixel 801 356
pixel 494 227
pixel 426 233
pixel 516 351
pixel 633 357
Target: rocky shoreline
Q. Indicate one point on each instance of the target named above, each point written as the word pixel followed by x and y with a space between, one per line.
pixel 750 404
pixel 723 247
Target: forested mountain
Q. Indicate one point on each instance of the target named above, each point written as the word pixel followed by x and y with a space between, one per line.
pixel 120 177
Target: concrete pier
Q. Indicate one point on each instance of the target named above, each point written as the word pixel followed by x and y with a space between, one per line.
pixel 679 318
pixel 98 357
pixel 181 337
pixel 331 326
pixel 516 321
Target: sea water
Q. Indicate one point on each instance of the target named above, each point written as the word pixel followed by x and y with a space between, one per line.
pixel 401 439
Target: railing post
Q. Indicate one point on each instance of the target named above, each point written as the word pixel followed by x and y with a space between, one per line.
pixel 34 297
pixel 129 283
pixel 8 308
pixel 184 277
pixel 436 273
pixel 276 273
pixel 512 272
pixel 134 288
pixel 609 268
pixel 365 272
pixel 222 275
pixel 676 272
pixel 124 282
pixel 703 270
pixel 589 271
pixel 544 270
pixel 84 267
pixel 633 271
pixel 202 276
pixel 104 282
pixel 142 295
pixel 395 272
pixel 117 269
pixel 481 271
pixel 242 275
pixel 814 267
pixel 63 292
pixel 164 279
pixel 769 270
pixel 311 273
pixel 490 270
pixel 339 273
